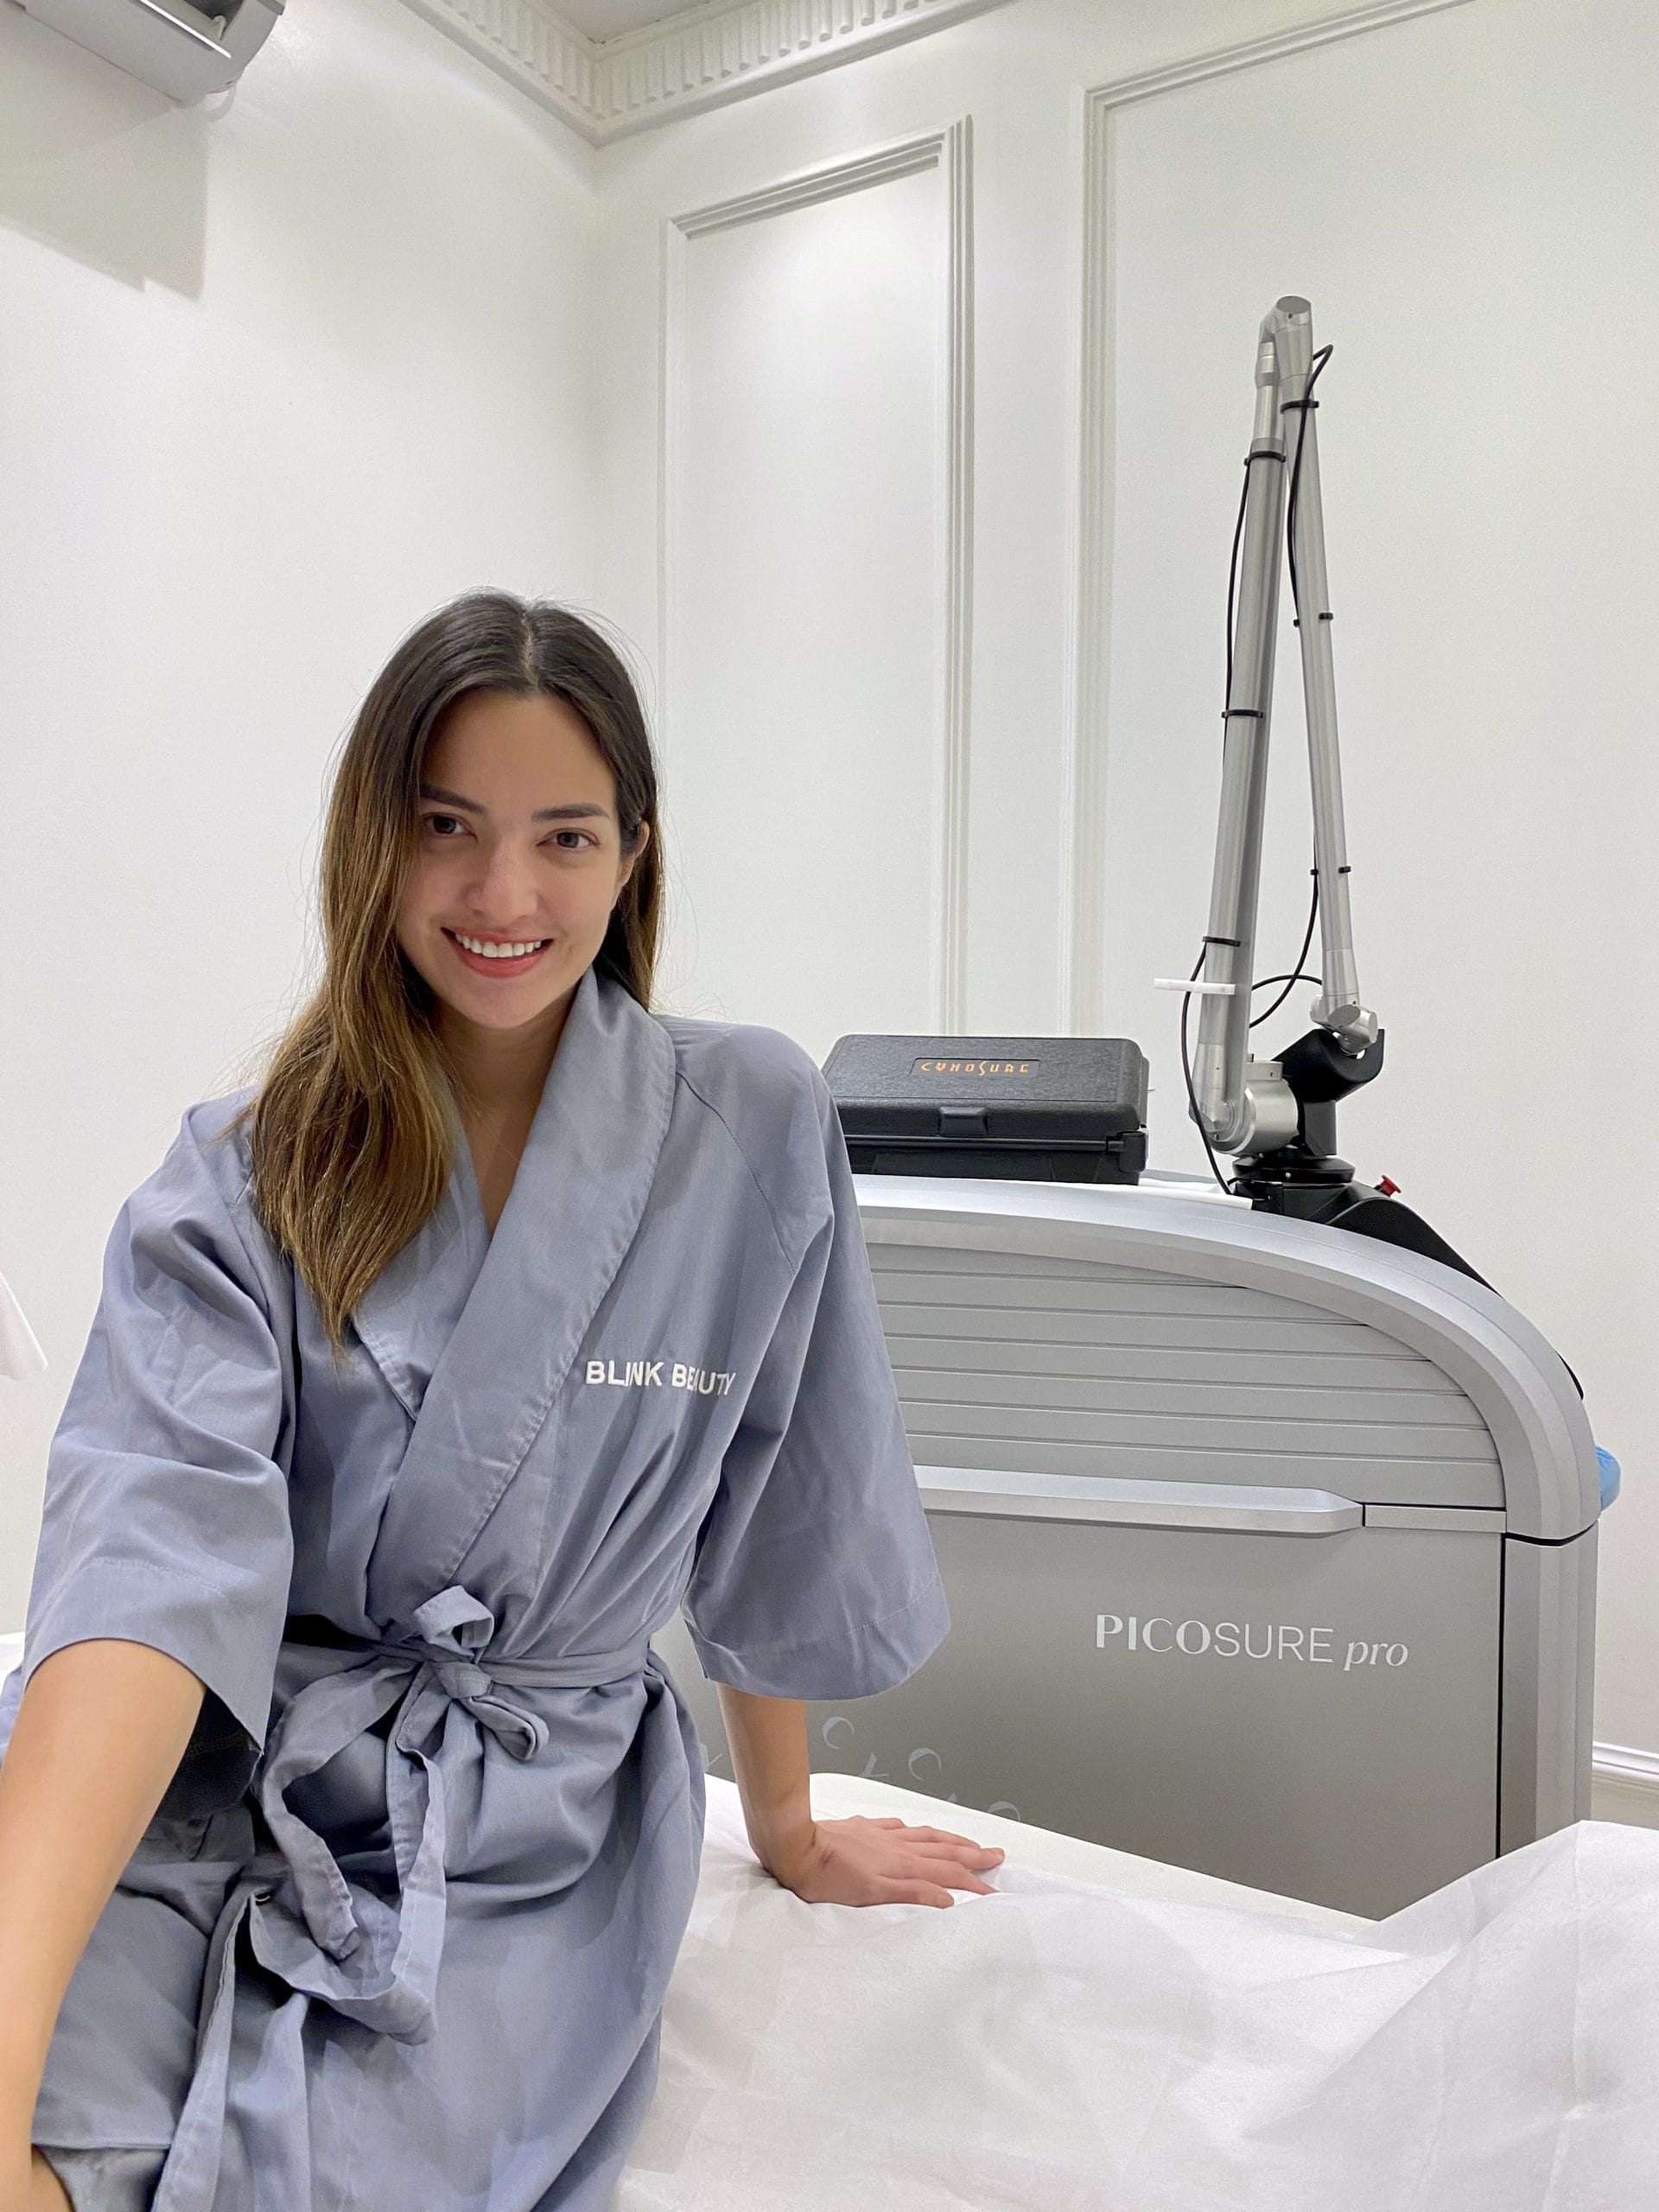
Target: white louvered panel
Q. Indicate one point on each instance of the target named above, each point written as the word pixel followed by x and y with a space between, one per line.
pixel 1007 1324
pixel 1442 1412
pixel 1061 1367
pixel 1248 1430
pixel 940 1293
pixel 1353 1369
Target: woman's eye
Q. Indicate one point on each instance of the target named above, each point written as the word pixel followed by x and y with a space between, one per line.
pixel 583 838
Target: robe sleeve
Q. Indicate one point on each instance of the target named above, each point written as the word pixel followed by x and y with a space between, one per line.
pixel 815 1575
pixel 166 1517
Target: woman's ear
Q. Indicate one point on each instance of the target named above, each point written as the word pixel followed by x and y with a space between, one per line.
pixel 633 860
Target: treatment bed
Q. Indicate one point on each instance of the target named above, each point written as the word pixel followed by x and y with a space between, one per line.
pixel 1106 2034
pixel 1109 2034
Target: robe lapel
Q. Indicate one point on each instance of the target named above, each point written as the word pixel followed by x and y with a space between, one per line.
pixel 508 1312
pixel 409 1313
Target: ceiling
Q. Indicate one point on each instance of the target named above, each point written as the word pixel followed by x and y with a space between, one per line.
pixel 603 19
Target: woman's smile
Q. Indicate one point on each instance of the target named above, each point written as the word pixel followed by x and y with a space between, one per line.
pixel 498 963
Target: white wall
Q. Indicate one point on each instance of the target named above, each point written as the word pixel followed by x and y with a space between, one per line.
pixel 1469 197
pixel 274 381
pixel 803 517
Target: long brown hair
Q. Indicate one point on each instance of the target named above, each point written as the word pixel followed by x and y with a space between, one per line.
pixel 355 1123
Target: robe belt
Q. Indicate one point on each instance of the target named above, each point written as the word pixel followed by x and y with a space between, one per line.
pixel 373 1960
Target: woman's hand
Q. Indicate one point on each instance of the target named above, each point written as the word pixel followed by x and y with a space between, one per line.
pixel 860 1862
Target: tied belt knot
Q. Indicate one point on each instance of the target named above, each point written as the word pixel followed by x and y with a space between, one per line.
pixel 372 1958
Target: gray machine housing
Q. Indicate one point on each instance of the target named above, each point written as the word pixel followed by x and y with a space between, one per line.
pixel 1270 1550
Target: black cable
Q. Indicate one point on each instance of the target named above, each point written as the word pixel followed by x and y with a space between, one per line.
pixel 1232 586
pixel 1299 407
pixel 1227 700
pixel 1192 1095
pixel 1305 975
pixel 1296 975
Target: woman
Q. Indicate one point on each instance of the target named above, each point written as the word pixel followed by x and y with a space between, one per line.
pixel 349 1825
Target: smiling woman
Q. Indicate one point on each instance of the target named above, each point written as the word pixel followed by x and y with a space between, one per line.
pixel 518 894
pixel 498 895
pixel 499 784
pixel 429 1380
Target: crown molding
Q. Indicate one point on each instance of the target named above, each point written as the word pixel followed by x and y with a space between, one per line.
pixel 525 42
pixel 725 50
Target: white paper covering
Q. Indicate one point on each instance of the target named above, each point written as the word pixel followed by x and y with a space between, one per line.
pixel 1065 2049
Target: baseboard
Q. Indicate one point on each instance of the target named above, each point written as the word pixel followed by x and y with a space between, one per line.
pixel 1624 1786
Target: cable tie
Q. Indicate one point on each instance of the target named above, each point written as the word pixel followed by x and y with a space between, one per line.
pixel 1286 405
pixel 1251 714
pixel 1264 453
pixel 1233 941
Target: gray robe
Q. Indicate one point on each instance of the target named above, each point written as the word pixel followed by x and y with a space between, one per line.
pixel 400 1934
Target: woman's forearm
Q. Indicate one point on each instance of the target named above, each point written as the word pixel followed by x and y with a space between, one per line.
pixel 98 1735
pixel 767 1736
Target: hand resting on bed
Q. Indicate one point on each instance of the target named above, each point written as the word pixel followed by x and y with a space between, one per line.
pixel 862 1861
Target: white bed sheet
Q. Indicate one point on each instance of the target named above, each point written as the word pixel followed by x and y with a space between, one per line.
pixel 1157 2041
pixel 1106 2034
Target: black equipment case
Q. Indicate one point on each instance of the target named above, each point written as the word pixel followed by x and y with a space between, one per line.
pixel 1028 1110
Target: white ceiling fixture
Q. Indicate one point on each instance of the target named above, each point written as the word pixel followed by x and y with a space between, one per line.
pixel 184 51
pixel 609 68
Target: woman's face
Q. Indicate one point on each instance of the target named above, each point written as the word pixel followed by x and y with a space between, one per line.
pixel 520 844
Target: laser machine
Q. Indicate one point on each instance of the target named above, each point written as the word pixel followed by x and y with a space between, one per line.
pixel 1269 1528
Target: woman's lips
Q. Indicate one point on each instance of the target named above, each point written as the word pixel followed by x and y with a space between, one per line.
pixel 483 964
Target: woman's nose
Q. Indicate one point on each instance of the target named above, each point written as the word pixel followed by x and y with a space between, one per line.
pixel 504 886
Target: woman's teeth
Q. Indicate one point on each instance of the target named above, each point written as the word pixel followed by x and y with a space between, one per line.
pixel 500 951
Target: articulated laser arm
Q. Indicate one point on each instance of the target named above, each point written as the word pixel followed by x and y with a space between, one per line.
pixel 1281 1114
pixel 1279 1117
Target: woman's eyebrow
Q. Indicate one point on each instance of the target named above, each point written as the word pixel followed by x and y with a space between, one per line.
pixel 576 811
